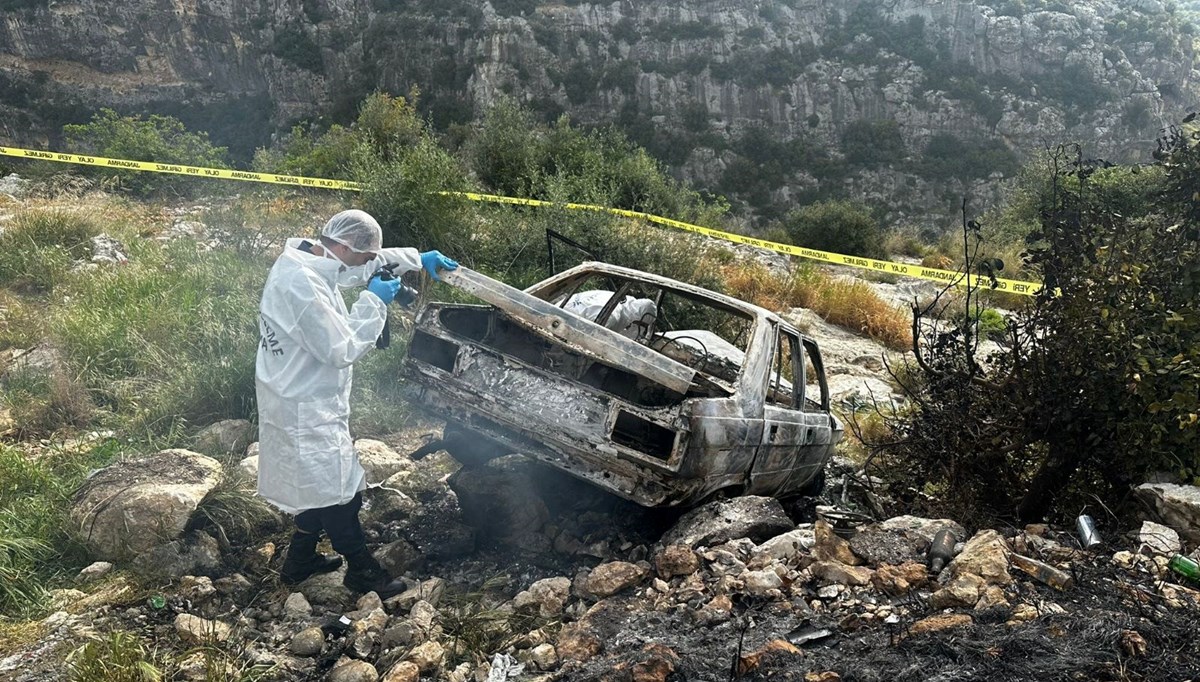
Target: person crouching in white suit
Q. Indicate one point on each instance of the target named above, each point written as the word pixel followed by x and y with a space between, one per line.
pixel 309 342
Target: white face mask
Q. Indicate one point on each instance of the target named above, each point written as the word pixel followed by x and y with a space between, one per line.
pixel 347 276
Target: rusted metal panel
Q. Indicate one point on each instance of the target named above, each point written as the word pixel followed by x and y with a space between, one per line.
pixel 590 339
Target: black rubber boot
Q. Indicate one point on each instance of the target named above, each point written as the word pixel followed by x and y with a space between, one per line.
pixel 303 561
pixel 364 574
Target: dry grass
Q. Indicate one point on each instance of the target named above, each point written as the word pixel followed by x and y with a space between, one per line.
pixel 847 303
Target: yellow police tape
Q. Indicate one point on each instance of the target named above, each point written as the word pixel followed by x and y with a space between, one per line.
pixel 194 171
pixel 918 271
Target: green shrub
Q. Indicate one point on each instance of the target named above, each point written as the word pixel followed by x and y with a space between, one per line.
pixel 1102 384
pixel 946 157
pixel 293 45
pixel 873 142
pixel 401 191
pixel 329 155
pixel 839 226
pixel 161 139
pixel 511 154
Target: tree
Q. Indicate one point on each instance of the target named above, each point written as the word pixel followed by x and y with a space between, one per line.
pixel 161 139
pixel 1099 384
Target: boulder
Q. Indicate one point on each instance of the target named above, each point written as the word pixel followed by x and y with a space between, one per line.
pixel 134 505
pixel 547 597
pixel 1177 506
pixel 922 528
pixel 380 461
pixel 829 547
pixel 676 560
pixel 398 557
pixel 1158 539
pixel 196 553
pixel 753 517
pixel 94 571
pixel 608 579
pixel 227 439
pixel 984 555
pixel 501 499
pixel 296 606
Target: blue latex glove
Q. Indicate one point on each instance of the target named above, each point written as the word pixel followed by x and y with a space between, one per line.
pixel 432 261
pixel 385 289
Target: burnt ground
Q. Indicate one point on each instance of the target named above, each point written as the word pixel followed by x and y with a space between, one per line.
pixel 1114 624
pixel 1081 634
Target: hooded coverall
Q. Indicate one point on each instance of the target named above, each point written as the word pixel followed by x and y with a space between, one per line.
pixel 309 340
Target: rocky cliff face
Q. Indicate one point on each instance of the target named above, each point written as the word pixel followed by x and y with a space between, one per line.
pixel 773 102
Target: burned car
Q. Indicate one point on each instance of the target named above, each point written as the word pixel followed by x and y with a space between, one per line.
pixel 658 391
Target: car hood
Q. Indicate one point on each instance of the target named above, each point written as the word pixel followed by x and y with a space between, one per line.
pixel 584 336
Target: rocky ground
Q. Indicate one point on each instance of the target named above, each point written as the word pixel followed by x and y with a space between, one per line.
pixel 519 573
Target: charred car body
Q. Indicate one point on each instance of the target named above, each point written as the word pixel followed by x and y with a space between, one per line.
pixel 661 392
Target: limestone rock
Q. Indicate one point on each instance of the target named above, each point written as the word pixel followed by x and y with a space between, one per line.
pixel 963 590
pixel 1177 506
pixel 898 580
pixel 197 631
pixel 353 671
pixel 380 461
pixel 676 560
pixel 404 671
pixel 984 555
pixel 307 642
pixel 940 622
pixel 544 656
pixel 608 579
pixel 427 656
pixel 841 574
pixel 829 547
pixel 577 642
pixel 134 505
pixel 1158 539
pixel 225 439
pixel 789 547
pixel 753 517
pixel 297 606
pixel 547 596
pixel 94 571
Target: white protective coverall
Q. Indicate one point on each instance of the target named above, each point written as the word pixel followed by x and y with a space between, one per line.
pixel 303 371
pixel 588 304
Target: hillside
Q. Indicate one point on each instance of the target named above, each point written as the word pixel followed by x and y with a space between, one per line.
pixel 908 105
